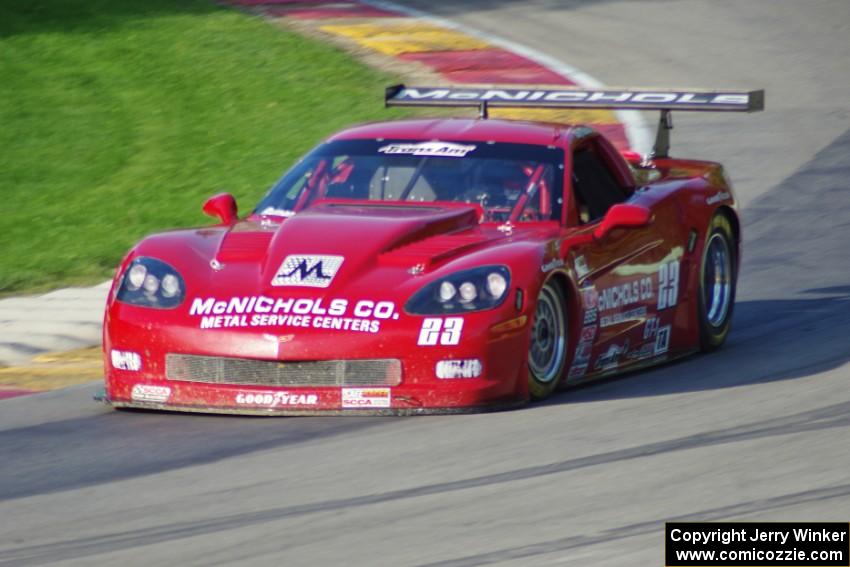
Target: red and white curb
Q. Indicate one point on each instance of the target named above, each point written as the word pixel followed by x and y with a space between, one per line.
pixel 458 54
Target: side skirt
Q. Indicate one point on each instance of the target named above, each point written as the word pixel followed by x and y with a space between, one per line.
pixel 628 369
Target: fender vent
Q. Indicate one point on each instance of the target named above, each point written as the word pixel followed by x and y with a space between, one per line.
pixel 249 372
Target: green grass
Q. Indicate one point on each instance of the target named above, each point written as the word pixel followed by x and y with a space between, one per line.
pixel 119 117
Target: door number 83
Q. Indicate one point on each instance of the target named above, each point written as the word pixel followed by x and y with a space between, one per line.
pixel 440 331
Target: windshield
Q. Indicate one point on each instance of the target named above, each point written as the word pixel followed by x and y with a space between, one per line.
pixel 511 182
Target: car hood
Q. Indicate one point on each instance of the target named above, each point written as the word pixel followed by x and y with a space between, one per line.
pixel 373 242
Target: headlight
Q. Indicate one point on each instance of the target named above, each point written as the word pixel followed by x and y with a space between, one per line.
pixel 470 290
pixel 149 282
pixel 447 291
pixel 136 276
pixel 496 284
pixel 171 285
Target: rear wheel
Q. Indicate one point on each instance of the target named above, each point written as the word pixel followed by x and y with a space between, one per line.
pixel 717 284
pixel 548 349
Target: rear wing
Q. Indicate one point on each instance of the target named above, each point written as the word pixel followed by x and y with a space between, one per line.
pixel 616 99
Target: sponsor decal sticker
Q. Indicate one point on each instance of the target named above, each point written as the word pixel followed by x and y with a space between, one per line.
pixel 611 358
pixel 444 332
pixel 442 149
pixel 585 345
pixel 276 399
pixel 277 212
pixel 126 360
pixel 577 371
pixel 645 351
pixel 590 302
pixel 662 340
pixel 581 267
pixel 589 297
pixel 335 314
pixel 650 328
pixel 623 316
pixel 552 250
pixel 148 393
pixel 717 197
pixel 365 398
pixel 308 271
pixel 583 350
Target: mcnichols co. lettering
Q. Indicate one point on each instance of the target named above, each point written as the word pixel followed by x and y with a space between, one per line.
pixel 338 314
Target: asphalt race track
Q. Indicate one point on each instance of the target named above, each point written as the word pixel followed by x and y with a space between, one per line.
pixel 759 430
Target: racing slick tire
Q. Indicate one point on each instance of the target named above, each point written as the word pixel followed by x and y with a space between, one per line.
pixel 547 352
pixel 718 280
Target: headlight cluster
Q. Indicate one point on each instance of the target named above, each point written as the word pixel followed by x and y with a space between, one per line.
pixel 470 290
pixel 149 282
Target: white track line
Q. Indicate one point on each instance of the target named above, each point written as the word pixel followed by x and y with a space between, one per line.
pixel 639 134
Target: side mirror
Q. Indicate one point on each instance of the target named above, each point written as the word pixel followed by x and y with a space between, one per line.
pixel 622 216
pixel 222 206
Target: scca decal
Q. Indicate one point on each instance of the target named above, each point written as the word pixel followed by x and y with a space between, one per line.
pixel 365 398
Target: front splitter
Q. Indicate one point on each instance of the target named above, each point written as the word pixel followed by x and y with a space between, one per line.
pixel 284 412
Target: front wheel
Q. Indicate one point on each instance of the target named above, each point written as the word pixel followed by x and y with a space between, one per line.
pixel 717 284
pixel 548 351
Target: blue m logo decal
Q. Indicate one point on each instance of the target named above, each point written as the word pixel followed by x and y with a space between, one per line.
pixel 304 271
pixel 309 271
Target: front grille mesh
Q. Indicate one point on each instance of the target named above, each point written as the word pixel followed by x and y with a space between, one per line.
pixel 242 371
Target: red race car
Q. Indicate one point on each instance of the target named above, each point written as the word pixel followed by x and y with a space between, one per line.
pixel 436 265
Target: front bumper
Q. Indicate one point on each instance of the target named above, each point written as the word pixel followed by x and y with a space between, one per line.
pixel 501 384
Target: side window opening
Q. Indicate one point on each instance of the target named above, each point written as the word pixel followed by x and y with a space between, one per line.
pixel 594 187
